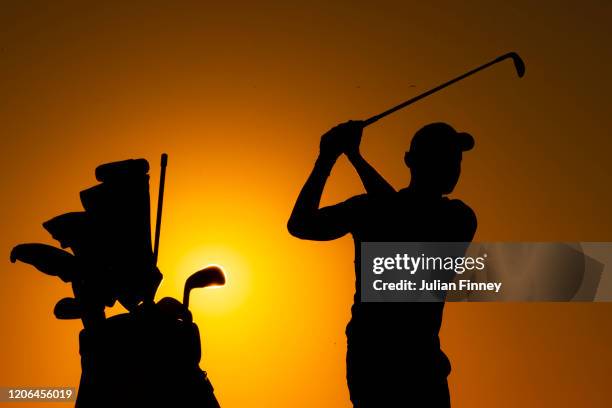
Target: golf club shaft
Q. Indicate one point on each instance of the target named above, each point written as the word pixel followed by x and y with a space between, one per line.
pixel 186 293
pixel 160 205
pixel 375 118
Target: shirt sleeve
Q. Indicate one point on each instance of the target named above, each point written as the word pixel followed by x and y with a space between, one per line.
pixel 345 215
pixel 466 218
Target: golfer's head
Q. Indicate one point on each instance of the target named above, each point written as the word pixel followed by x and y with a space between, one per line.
pixel 435 156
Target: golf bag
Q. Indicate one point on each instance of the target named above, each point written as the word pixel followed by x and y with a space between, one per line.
pixel 146 358
pixel 149 356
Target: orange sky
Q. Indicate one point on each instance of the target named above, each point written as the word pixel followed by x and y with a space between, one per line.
pixel 238 95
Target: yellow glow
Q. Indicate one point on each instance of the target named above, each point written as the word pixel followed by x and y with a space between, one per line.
pixel 238 95
pixel 206 300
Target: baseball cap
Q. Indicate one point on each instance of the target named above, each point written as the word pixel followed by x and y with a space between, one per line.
pixel 438 136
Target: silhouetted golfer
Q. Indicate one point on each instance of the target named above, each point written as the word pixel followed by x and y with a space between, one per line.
pixel 394 357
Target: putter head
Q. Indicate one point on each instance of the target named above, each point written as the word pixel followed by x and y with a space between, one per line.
pixel 519 65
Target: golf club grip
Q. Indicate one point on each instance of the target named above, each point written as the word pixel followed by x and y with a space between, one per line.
pixel 402 105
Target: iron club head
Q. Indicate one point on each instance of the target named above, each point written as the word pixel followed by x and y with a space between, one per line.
pixel 519 65
pixel 209 276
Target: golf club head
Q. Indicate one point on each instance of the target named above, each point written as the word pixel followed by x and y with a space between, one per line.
pixel 519 65
pixel 118 171
pixel 68 309
pixel 47 259
pixel 209 276
pixel 174 309
pixel 69 229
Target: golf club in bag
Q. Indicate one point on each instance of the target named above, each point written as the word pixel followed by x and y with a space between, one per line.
pixel 149 356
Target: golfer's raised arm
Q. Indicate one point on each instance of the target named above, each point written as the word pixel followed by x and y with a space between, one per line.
pixel 307 220
pixel 372 181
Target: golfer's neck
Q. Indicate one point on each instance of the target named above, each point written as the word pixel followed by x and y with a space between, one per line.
pixel 418 189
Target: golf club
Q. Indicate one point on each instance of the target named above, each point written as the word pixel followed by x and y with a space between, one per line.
pixel 209 276
pixel 519 65
pixel 160 204
pixel 68 309
pixel 173 308
pixel 47 259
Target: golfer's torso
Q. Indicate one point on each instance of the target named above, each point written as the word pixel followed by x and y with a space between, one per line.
pixel 400 218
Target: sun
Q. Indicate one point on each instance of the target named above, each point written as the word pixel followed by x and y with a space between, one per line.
pixel 217 299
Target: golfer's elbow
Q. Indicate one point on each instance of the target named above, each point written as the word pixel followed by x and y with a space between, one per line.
pixel 312 230
pixel 297 227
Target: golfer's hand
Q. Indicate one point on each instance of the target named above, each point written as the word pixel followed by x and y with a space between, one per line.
pixel 344 138
pixel 352 137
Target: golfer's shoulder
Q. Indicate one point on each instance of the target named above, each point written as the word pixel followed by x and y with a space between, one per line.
pixel 364 203
pixel 373 199
pixel 461 211
pixel 356 202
